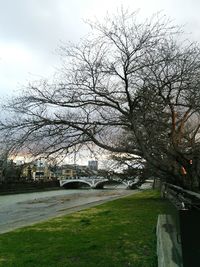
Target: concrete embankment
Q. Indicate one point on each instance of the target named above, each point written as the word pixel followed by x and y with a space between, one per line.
pixel 28 186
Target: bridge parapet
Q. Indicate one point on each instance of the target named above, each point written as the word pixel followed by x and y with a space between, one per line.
pixel 97 183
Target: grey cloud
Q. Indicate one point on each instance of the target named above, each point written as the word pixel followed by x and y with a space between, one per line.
pixel 39 23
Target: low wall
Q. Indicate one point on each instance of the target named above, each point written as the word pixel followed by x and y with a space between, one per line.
pixel 168 247
pixel 187 221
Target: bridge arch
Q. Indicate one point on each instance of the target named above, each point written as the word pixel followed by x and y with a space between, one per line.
pixel 97 183
pixel 101 184
pixel 75 184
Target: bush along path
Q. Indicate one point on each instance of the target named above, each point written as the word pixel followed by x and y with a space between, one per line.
pixel 119 233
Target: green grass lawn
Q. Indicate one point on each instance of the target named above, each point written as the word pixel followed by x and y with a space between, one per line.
pixel 116 234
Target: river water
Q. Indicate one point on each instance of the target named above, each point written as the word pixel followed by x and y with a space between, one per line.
pixel 25 209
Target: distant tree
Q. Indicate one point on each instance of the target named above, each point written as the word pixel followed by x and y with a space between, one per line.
pixel 11 172
pixel 29 173
pixel 131 87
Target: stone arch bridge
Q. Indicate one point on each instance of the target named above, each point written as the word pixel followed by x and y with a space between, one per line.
pixel 95 183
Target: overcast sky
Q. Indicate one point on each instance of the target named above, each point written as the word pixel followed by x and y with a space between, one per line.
pixel 31 30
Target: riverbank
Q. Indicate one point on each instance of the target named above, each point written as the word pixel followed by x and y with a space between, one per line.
pixel 115 234
pixel 28 187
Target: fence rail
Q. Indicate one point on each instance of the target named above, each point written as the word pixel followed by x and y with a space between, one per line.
pixel 181 198
pixel 186 221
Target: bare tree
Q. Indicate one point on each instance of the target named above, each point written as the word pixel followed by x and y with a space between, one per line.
pixel 131 87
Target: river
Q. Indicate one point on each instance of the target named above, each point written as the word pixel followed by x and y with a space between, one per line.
pixel 25 209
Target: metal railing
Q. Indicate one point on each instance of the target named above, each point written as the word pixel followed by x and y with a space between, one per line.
pixel 181 198
pixel 187 205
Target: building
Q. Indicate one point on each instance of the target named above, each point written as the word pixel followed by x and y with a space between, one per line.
pixel 68 171
pixel 37 170
pixel 93 165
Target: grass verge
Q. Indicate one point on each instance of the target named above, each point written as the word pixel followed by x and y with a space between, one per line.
pixel 119 233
